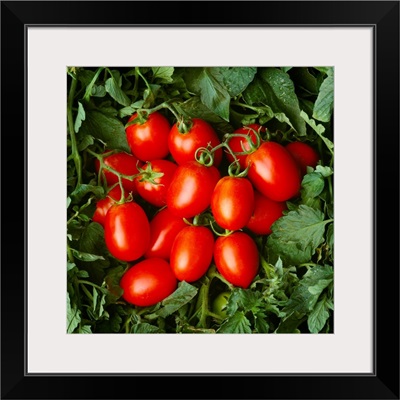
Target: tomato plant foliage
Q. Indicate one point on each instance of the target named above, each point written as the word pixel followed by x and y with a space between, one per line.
pixel 290 288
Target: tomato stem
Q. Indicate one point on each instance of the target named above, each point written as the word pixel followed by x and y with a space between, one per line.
pixel 204 156
pixel 71 128
pixel 104 166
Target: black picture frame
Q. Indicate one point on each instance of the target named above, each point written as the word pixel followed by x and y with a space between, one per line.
pixel 383 383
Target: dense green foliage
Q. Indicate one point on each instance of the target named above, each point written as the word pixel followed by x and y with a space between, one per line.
pixel 293 291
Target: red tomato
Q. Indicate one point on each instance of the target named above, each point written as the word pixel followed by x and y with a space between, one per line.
pixel 127 231
pixel 192 253
pixel 163 230
pixel 148 282
pixel 304 154
pixel 266 212
pixel 103 205
pixel 274 172
pixel 154 189
pixel 183 146
pixel 191 189
pixel 235 143
pixel 232 202
pixel 123 163
pixel 236 258
pixel 149 140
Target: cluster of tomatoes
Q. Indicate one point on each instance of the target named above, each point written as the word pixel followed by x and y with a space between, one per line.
pixel 203 213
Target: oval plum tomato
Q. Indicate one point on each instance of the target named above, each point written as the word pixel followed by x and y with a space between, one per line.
pixel 266 212
pixel 232 202
pixel 192 253
pixel 123 163
pixel 274 172
pixel 304 154
pixel 235 143
pixel 103 205
pixel 183 146
pixel 148 282
pixel 149 140
pixel 127 231
pixel 219 304
pixel 153 184
pixel 191 188
pixel 236 258
pixel 163 230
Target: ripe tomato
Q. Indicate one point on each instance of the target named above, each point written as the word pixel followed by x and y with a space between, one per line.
pixel 235 143
pixel 191 188
pixel 127 231
pixel 192 253
pixel 103 205
pixel 123 163
pixel 236 258
pixel 151 188
pixel 304 154
pixel 183 146
pixel 232 202
pixel 274 172
pixel 148 282
pixel 149 140
pixel 266 212
pixel 219 304
pixel 163 229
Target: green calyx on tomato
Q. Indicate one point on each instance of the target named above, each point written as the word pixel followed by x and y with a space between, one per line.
pixel 153 182
pixel 148 140
pixel 183 147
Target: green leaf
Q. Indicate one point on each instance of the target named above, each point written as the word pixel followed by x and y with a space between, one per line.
pixel 305 296
pixel 144 327
pixel 113 88
pixel 81 115
pixel 274 88
pixel 182 295
pixel 98 91
pixel 86 141
pixel 208 84
pixel 108 129
pixel 323 106
pixel 318 317
pixel 80 255
pixel 112 280
pixel 324 171
pixel 89 87
pixel 194 108
pixel 163 74
pixel 73 316
pixel 260 324
pixel 304 79
pixel 82 190
pixel 92 239
pixel 236 79
pixel 326 70
pixel 312 185
pixel 238 323
pixel 85 329
pixel 296 235
pixel 319 129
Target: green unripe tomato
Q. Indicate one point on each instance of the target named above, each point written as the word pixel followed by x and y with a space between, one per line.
pixel 219 304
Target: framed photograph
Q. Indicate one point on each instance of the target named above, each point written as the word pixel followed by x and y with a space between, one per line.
pixel 308 305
